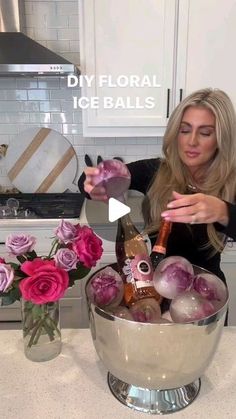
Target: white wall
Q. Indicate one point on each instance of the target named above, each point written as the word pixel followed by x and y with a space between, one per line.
pixel 48 102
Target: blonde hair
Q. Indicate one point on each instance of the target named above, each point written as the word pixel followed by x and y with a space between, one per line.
pixel 220 177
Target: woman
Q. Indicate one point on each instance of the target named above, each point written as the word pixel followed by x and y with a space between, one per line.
pixel 194 185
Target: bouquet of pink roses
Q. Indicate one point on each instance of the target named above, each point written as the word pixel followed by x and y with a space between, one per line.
pixel 42 280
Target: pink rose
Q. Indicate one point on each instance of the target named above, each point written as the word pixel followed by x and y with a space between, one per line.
pixel 87 246
pixel 46 282
pixel 18 244
pixel 66 232
pixel 6 276
pixel 66 259
pixel 2 260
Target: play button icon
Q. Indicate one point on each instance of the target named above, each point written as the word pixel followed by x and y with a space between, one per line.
pixel 116 209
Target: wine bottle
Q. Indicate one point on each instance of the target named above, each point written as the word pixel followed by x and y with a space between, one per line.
pixel 134 263
pixel 159 249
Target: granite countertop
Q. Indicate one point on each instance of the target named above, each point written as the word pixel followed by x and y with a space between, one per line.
pixel 74 385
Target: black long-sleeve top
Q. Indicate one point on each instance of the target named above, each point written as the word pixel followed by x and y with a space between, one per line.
pixel 184 240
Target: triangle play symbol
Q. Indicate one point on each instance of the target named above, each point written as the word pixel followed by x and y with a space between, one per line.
pixel 116 209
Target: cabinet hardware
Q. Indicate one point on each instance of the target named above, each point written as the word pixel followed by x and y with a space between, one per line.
pixel 180 95
pixel 168 103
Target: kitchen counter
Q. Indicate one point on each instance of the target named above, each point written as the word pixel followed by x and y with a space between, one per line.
pixel 98 214
pixel 74 385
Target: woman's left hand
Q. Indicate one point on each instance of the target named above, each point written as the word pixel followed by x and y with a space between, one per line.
pixel 197 208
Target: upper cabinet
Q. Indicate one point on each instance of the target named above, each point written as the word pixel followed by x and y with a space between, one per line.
pixel 211 59
pixel 128 49
pixel 141 57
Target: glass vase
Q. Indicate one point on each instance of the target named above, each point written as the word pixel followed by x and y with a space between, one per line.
pixel 41 330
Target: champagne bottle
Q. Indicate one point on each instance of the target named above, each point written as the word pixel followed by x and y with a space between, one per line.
pixel 159 249
pixel 134 263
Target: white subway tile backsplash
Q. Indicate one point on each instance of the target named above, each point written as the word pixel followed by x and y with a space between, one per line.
pixel 13 94
pixel 32 102
pixel 42 34
pixel 40 118
pixel 77 117
pixel 10 106
pixel 14 118
pixel 28 106
pixel 28 6
pixel 80 140
pixel 73 21
pixel 59 46
pixel 5 139
pixel 64 94
pixel 8 129
pixel 7 83
pixel 74 46
pixel 44 83
pixel 67 7
pixel 50 106
pixel 55 21
pixel 72 128
pixel 104 141
pixel 68 33
pixel 63 117
pixel 44 7
pixel 23 83
pixel 38 94
pixel 140 150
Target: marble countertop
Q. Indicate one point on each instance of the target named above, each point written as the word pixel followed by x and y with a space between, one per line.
pixel 74 385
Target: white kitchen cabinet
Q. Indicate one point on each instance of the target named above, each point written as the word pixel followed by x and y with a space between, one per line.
pixel 125 38
pixel 186 44
pixel 210 59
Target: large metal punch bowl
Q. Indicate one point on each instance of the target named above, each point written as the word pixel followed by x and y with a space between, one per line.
pixel 155 368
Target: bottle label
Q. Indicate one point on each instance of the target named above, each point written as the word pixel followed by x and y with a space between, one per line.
pixel 159 249
pixel 137 269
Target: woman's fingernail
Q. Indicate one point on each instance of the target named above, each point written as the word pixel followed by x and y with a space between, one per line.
pixel 170 205
pixel 164 214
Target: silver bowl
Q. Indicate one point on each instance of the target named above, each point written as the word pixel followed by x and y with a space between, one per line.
pixel 155 368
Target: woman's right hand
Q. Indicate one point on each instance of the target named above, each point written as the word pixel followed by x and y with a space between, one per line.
pixel 98 192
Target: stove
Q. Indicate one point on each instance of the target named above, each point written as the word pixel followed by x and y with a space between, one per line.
pixel 41 205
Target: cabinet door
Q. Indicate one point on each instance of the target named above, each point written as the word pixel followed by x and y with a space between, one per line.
pixel 125 38
pixel 211 61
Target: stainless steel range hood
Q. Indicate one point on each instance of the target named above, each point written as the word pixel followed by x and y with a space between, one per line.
pixel 21 55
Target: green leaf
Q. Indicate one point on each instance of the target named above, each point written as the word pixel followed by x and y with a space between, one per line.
pixel 15 266
pixel 8 299
pixel 31 255
pixel 21 258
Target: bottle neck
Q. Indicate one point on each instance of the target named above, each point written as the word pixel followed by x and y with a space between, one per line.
pixel 162 238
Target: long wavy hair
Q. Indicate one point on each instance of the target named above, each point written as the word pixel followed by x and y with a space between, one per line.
pixel 219 179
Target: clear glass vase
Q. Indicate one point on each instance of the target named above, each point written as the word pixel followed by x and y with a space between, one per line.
pixel 41 330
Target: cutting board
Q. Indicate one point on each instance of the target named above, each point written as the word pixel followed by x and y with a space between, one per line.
pixel 41 160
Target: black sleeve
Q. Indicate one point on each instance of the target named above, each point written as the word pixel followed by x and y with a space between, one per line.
pixel 230 229
pixel 81 185
pixel 142 172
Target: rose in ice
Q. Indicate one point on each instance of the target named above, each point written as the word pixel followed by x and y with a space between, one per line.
pixel 66 259
pixel 106 288
pixel 66 232
pixel 45 282
pixel 6 276
pixel 18 244
pixel 87 246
